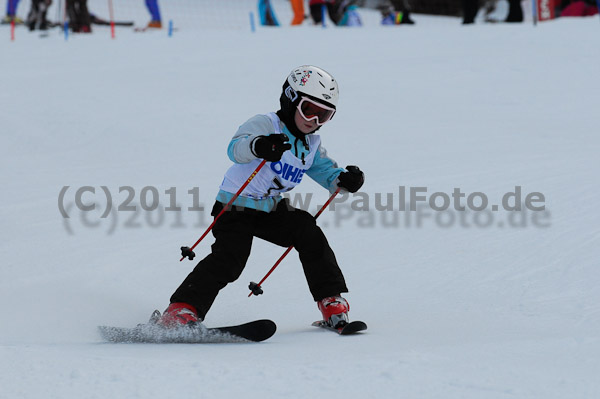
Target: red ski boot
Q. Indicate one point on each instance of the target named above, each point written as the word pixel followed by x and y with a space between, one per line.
pixel 335 311
pixel 178 314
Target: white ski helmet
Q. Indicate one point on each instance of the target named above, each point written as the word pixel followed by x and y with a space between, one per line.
pixel 306 81
pixel 314 82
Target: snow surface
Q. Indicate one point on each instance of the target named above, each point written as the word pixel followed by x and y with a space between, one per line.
pixel 454 312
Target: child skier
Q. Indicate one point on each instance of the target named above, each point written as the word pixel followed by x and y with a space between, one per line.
pixel 287 141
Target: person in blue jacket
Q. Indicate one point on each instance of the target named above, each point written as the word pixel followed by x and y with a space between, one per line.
pixel 155 18
pixel 287 141
pixel 11 12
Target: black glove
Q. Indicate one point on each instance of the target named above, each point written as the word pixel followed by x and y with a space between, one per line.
pixel 270 147
pixel 186 252
pixel 352 180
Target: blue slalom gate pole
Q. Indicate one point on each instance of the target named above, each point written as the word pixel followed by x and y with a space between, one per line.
pixel 534 6
pixel 170 28
pixel 253 26
pixel 66 29
pixel 323 7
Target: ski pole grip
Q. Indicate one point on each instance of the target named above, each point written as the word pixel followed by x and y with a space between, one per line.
pixel 186 252
pixel 255 288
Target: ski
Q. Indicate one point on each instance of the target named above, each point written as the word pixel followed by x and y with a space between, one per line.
pixel 351 328
pixel 99 21
pixel 7 21
pixel 147 29
pixel 254 331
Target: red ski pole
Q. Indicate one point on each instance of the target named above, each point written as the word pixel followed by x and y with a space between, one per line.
pixel 111 13
pixel 256 288
pixel 188 252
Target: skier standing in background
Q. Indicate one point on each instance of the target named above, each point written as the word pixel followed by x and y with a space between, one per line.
pixel 36 19
pixel 80 20
pixel 287 141
pixel 298 9
pixel 11 13
pixel 154 10
pixel 396 12
pixel 333 9
pixel 471 8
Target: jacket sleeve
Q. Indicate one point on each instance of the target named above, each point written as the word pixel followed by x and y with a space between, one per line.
pixel 240 146
pixel 324 170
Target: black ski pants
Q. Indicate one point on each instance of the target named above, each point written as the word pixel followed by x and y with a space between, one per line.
pixel 234 232
pixel 79 16
pixel 36 19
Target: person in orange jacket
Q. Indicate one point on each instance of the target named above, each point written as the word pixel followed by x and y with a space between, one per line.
pixel 298 8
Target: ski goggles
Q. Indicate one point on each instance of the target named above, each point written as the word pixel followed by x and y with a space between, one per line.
pixel 310 109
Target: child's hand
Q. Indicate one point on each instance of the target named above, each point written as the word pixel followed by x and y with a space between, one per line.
pixel 352 180
pixel 270 147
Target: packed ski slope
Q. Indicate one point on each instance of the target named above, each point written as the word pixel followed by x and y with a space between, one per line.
pixel 459 304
